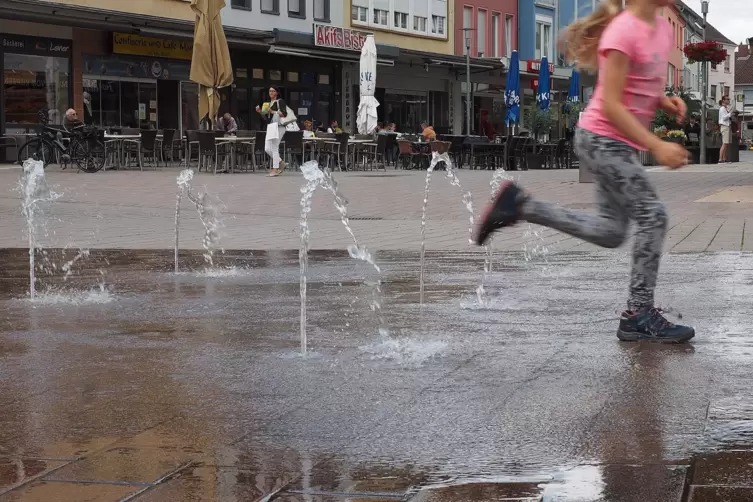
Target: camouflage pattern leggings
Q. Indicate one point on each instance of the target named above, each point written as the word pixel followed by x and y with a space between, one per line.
pixel 623 193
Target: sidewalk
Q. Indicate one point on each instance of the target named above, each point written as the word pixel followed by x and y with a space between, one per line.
pixel 710 209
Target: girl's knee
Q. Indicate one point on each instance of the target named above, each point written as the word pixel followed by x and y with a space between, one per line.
pixel 659 215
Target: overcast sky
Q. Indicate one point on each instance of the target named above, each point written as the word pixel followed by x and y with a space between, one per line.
pixel 734 18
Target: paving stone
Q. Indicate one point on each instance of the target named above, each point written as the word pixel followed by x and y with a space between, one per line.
pixel 16 471
pixel 43 491
pixel 730 468
pixel 136 209
pixel 720 494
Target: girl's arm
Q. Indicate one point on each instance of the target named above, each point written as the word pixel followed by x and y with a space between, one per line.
pixel 615 76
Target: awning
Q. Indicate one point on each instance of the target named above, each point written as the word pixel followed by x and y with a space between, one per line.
pixel 107 20
pixel 451 61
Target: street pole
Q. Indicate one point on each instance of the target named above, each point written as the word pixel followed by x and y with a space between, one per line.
pixel 467 32
pixel 704 85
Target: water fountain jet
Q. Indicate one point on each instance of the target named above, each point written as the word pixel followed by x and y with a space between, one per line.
pixel 209 215
pixel 467 201
pixel 315 178
pixel 35 195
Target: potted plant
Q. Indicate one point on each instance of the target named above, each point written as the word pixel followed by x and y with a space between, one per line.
pixel 675 136
pixel 539 121
pixel 705 52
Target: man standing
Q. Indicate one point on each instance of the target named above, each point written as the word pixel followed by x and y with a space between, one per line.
pixel 724 126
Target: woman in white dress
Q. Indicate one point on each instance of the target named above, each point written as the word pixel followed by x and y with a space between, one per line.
pixel 275 117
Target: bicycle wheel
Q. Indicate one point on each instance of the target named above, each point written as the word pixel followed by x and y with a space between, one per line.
pixel 36 149
pixel 89 155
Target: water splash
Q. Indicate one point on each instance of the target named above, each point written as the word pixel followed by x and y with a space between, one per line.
pixel 313 176
pixel 68 266
pixel 316 177
pixel 405 351
pixel 467 201
pixel 184 184
pixel 430 170
pixel 538 250
pixel 35 196
pixel 500 175
pixel 53 296
pixel 209 215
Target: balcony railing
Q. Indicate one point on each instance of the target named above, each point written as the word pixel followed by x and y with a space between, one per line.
pixel 546 3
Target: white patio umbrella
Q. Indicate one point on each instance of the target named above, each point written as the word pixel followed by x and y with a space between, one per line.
pixel 367 107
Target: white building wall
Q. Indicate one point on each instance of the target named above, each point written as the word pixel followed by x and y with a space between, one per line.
pixel 722 76
pixel 255 19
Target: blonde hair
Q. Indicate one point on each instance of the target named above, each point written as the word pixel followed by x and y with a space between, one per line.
pixel 580 41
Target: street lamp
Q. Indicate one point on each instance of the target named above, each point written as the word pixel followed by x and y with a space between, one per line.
pixel 704 85
pixel 467 32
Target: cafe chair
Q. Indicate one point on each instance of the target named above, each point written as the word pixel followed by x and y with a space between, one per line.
pixel 144 148
pixel 294 148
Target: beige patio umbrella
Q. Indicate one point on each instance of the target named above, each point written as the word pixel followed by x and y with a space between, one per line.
pixel 210 65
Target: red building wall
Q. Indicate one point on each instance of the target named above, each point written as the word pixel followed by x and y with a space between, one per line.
pixel 504 8
pixel 677 23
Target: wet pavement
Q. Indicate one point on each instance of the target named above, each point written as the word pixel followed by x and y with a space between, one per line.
pixel 124 381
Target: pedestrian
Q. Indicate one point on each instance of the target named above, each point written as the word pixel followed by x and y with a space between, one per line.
pixel 629 49
pixel 274 112
pixel 725 121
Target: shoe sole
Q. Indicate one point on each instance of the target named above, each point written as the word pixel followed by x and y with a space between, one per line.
pixel 626 336
pixel 484 232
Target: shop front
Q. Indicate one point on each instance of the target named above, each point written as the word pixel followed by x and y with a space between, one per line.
pixel 324 66
pixel 147 93
pixel 36 76
pixel 307 86
pixel 143 84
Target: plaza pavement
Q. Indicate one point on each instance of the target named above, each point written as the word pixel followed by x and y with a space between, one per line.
pixel 709 209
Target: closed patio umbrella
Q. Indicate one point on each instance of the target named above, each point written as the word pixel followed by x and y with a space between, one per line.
pixel 366 119
pixel 543 97
pixel 210 65
pixel 512 91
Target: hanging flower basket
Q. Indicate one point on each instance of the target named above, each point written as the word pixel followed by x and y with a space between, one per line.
pixel 700 52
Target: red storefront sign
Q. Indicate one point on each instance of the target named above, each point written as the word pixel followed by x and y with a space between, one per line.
pixel 334 37
pixel 535 66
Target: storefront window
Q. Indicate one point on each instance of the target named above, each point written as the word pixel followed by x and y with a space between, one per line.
pixel 115 103
pixel 34 83
pixel 407 111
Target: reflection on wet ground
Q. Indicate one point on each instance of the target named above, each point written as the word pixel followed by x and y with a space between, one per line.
pixel 124 381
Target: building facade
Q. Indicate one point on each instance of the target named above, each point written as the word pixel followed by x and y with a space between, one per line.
pixel 675 67
pixel 421 84
pixel 721 76
pixel 490 27
pixel 744 87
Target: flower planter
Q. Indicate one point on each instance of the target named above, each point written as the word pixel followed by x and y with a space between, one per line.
pixel 679 141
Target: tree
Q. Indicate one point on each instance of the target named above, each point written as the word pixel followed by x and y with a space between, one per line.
pixel 662 119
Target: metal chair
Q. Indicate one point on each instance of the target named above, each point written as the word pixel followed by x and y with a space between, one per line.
pixel 209 151
pixel 144 147
pixel 294 147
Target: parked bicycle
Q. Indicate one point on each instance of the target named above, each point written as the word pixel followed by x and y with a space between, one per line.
pixel 85 148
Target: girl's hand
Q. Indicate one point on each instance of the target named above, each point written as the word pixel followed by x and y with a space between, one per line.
pixel 671 155
pixel 280 113
pixel 675 105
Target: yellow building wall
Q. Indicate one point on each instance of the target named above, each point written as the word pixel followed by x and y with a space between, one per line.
pixel 412 42
pixel 171 9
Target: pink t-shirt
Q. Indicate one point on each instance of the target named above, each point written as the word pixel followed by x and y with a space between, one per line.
pixel 648 48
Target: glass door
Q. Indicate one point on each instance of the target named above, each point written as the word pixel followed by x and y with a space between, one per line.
pixel 189 107
pixel 148 105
